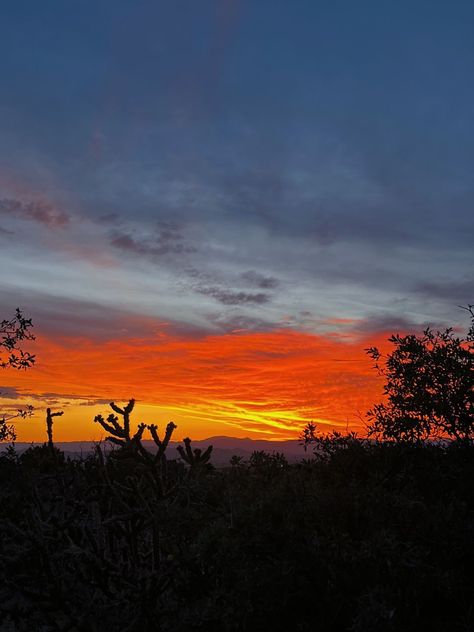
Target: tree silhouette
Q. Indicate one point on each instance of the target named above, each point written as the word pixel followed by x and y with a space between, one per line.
pixel 429 387
pixel 12 333
pixel 7 430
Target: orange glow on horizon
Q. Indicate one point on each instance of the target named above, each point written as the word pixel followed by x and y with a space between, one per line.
pixel 263 385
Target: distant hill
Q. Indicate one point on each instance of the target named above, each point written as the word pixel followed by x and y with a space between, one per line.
pixel 224 448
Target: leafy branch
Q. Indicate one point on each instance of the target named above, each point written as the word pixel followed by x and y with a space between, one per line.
pixel 12 333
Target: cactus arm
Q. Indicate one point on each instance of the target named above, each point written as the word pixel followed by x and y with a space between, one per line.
pixel 183 454
pixel 113 430
pixel 189 452
pixel 153 428
pixel 113 420
pixel 116 408
pixel 116 441
pixel 129 407
pixel 206 455
pixel 139 433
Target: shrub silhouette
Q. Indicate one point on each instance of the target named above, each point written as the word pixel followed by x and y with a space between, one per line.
pixel 327 445
pixel 12 333
pixel 429 387
pixel 377 536
pixel 366 536
pixel 7 430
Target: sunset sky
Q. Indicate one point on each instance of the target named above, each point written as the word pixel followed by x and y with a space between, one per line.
pixel 215 206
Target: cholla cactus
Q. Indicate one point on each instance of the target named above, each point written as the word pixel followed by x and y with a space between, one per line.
pixel 195 458
pixel 120 434
pixel 161 444
pixel 49 425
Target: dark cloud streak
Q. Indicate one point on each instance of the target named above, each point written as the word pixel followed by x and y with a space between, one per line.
pixel 168 240
pixel 230 297
pixel 36 211
pixel 461 292
pixel 259 280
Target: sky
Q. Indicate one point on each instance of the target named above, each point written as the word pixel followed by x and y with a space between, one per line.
pixel 215 206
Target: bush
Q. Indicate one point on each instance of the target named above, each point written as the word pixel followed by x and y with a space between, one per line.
pixel 429 387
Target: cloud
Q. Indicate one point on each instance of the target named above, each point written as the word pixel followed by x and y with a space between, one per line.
pixel 274 380
pixel 457 291
pixel 95 401
pixel 9 392
pixel 167 239
pixel 109 218
pixel 52 398
pixel 240 322
pixel 379 323
pixel 259 280
pixel 35 211
pixel 230 297
pixel 62 317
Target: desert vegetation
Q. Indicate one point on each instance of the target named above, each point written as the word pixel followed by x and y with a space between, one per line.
pixel 364 533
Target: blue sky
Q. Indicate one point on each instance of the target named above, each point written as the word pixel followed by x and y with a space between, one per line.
pixel 237 164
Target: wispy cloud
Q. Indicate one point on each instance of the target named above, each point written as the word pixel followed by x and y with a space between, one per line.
pixel 262 382
pixel 9 392
pixel 259 280
pixel 240 322
pixel 230 297
pixel 457 291
pixel 49 398
pixel 166 240
pixel 35 211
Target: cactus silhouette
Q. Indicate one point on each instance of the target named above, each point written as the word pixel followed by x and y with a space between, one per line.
pixel 161 444
pixel 49 425
pixel 120 433
pixel 194 458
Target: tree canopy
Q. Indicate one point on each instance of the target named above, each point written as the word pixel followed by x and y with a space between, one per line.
pixel 429 386
pixel 12 334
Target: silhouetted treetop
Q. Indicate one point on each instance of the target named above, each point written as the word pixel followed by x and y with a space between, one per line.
pixel 429 386
pixel 12 333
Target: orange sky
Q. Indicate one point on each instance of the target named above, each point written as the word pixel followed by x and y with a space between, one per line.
pixel 261 385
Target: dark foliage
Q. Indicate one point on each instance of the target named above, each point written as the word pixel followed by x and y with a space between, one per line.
pixel 362 536
pixel 12 333
pixel 7 429
pixel 372 536
pixel 429 387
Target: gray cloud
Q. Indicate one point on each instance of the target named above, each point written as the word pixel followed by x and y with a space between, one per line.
pixel 168 239
pixel 9 392
pixel 461 292
pixel 259 280
pixel 239 322
pixel 60 316
pixel 51 398
pixel 109 219
pixel 374 323
pixel 93 401
pixel 230 297
pixel 36 211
